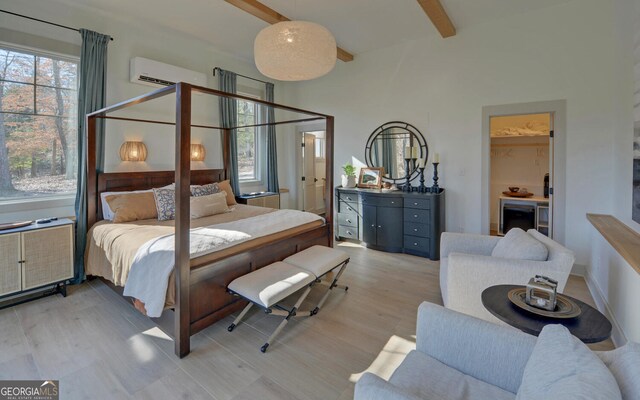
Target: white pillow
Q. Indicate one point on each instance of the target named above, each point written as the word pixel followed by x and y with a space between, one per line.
pixel 562 367
pixel 518 244
pixel 624 364
pixel 212 204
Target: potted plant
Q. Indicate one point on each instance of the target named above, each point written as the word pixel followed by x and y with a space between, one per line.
pixel 349 177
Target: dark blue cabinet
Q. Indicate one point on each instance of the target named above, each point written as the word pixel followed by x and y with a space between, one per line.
pixel 392 221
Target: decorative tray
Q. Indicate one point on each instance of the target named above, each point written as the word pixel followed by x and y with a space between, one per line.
pixel 517 194
pixel 565 307
pixel 13 225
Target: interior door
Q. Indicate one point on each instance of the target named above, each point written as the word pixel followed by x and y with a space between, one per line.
pixel 309 173
pixel 551 172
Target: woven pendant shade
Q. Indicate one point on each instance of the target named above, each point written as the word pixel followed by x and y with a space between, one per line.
pixel 198 153
pixel 133 151
pixel 295 51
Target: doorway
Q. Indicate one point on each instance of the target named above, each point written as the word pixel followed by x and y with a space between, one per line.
pixel 556 110
pixel 521 178
pixel 312 183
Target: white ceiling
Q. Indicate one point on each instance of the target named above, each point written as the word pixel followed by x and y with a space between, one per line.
pixel 358 25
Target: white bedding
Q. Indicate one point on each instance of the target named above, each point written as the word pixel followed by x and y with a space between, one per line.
pixel 154 261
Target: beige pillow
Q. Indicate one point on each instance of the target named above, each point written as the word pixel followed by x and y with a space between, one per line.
pixel 212 204
pixel 132 206
pixel 231 198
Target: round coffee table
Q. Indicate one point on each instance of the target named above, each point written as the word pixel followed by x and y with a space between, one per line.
pixel 590 326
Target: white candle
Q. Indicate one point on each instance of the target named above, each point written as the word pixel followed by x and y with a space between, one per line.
pixel 421 163
pixel 414 152
pixel 407 152
pixel 436 158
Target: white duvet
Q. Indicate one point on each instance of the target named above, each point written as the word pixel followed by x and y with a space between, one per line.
pixel 154 261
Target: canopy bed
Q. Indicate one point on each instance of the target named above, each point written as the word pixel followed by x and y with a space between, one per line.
pixel 197 292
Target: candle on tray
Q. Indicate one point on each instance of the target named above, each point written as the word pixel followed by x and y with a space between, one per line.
pixel 436 158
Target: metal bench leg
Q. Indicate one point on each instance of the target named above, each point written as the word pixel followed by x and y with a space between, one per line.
pixel 237 320
pixel 333 284
pixel 284 322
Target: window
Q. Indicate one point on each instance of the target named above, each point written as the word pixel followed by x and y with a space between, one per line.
pixel 248 143
pixel 38 124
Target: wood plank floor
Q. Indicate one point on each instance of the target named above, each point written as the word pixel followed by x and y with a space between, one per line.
pixel 100 347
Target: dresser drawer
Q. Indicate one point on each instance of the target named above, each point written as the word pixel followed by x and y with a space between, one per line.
pixel 423 204
pixel 348 219
pixel 348 208
pixel 381 201
pixel 348 232
pixel 414 243
pixel 348 197
pixel 417 215
pixel 416 229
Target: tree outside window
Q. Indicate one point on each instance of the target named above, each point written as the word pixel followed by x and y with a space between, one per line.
pixel 38 124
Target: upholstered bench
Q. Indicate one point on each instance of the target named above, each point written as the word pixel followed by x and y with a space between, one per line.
pixel 269 285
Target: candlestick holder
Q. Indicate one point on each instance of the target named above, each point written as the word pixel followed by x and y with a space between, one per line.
pixel 422 188
pixel 407 168
pixel 435 188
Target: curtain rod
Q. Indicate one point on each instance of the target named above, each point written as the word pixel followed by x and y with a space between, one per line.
pixel 43 21
pixel 244 76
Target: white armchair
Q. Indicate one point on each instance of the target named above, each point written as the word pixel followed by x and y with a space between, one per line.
pixel 467 268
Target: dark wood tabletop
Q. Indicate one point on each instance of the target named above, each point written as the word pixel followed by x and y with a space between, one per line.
pixel 590 326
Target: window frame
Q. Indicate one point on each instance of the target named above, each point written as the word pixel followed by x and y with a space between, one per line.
pixel 10 205
pixel 259 138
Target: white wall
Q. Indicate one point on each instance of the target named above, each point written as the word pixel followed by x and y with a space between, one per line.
pixel 440 86
pixel 149 41
pixel 614 283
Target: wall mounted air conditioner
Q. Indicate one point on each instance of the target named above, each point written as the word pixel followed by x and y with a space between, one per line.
pixel 155 73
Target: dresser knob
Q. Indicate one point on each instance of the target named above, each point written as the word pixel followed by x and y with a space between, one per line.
pixel 415 215
pixel 415 244
pixel 415 204
pixel 415 229
pixel 393 202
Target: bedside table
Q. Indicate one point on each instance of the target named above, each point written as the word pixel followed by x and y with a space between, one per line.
pixel 264 199
pixel 35 257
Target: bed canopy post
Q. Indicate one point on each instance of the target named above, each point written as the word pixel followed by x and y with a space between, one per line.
pixel 92 183
pixel 182 267
pixel 329 176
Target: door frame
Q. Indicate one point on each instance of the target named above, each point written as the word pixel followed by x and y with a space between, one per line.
pixel 559 109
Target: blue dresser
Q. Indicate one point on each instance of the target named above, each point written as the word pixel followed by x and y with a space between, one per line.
pixel 398 222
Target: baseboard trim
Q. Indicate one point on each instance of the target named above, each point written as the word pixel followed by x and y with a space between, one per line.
pixel 617 334
pixel 579 269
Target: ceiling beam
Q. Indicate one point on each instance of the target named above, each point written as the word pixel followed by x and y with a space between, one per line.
pixel 271 16
pixel 439 17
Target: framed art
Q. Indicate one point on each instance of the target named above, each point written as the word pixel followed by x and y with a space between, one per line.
pixel 370 178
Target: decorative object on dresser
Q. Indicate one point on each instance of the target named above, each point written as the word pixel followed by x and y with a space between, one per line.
pixel 370 178
pixel 260 199
pixel 436 161
pixel 349 177
pixel 392 221
pixel 396 146
pixel 36 260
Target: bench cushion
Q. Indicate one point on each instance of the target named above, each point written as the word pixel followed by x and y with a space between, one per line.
pixel 269 285
pixel 318 259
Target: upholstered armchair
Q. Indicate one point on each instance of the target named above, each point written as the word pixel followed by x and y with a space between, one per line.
pixel 471 263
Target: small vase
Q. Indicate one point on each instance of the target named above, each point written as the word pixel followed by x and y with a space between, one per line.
pixel 348 181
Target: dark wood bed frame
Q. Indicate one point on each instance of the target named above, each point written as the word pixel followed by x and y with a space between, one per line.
pixel 200 283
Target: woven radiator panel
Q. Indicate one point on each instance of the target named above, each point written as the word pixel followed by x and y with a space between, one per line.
pixel 10 271
pixel 48 256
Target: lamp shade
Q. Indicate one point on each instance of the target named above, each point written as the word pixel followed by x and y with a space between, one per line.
pixel 198 153
pixel 133 151
pixel 295 51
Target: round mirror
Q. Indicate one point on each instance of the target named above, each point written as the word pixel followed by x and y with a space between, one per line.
pixel 394 146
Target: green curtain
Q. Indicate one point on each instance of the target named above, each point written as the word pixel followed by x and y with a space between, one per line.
pixel 92 86
pixel 229 119
pixel 272 152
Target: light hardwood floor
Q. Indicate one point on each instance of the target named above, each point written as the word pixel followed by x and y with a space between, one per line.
pixel 100 347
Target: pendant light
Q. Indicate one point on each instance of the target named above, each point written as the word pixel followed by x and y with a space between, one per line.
pixel 295 51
